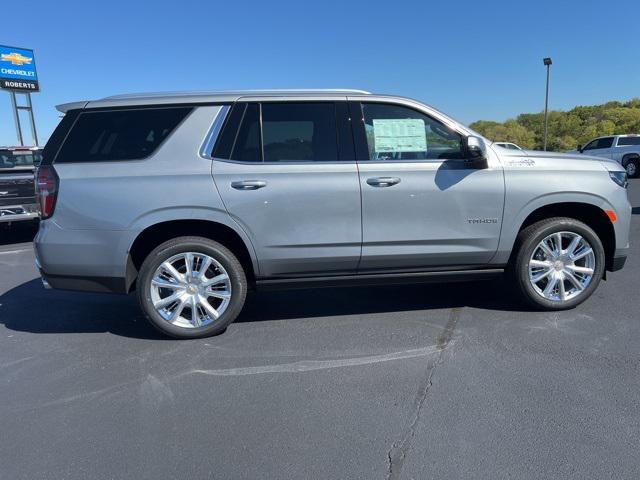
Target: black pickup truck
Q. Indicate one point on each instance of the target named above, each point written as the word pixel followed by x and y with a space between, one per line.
pixel 17 188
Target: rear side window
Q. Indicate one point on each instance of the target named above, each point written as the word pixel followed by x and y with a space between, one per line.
pixel 623 141
pixel 246 147
pixel 19 158
pixel 227 138
pixel 58 136
pixel 299 132
pixel 286 132
pixel 99 136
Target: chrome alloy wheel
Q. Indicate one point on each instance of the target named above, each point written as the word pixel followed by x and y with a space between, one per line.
pixel 561 266
pixel 190 290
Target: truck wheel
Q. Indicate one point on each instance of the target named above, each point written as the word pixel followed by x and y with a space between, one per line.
pixel 632 168
pixel 191 287
pixel 558 264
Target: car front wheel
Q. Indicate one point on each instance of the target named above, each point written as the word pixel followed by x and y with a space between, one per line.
pixel 632 168
pixel 191 287
pixel 559 263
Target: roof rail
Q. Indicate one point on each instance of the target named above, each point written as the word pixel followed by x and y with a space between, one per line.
pixel 237 92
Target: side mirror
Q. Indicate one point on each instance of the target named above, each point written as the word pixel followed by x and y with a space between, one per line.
pixel 476 152
pixel 579 148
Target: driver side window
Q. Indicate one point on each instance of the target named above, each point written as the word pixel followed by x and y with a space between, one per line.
pixel 605 142
pixel 395 132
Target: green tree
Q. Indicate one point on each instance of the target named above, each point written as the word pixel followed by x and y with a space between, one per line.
pixel 566 129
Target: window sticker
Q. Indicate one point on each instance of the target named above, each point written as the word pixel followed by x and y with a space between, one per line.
pixel 399 135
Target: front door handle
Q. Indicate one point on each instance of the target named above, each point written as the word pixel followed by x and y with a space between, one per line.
pixel 383 181
pixel 248 184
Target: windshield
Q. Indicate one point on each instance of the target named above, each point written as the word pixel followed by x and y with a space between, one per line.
pixel 17 159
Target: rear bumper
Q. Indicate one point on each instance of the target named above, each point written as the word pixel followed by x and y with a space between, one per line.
pixel 19 213
pixel 84 284
pixel 83 260
pixel 81 283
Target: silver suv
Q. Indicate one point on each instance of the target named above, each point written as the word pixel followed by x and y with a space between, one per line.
pixel 191 199
pixel 624 149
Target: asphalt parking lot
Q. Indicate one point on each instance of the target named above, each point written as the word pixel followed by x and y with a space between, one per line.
pixel 426 381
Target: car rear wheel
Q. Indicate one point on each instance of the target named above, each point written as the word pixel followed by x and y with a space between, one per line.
pixel 632 168
pixel 191 287
pixel 559 263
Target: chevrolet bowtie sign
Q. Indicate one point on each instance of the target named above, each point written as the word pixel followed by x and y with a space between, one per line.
pixel 18 69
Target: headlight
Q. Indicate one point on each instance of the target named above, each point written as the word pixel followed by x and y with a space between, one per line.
pixel 620 178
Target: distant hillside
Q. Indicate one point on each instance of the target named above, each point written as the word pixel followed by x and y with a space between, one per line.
pixel 566 129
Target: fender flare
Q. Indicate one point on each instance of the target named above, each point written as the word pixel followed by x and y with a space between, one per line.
pixel 511 227
pixel 170 214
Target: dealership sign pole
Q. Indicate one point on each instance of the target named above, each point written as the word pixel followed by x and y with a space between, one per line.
pixel 18 75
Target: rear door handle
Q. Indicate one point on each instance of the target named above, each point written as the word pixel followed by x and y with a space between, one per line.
pixel 248 184
pixel 383 181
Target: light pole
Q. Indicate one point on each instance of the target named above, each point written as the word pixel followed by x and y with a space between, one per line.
pixel 547 62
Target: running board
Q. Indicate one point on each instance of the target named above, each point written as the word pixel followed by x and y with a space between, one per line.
pixel 380 279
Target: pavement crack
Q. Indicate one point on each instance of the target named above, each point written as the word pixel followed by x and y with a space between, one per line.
pixel 399 450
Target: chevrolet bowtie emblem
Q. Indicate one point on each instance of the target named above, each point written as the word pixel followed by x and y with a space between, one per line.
pixel 16 59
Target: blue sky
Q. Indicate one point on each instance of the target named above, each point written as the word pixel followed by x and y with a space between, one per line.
pixel 473 60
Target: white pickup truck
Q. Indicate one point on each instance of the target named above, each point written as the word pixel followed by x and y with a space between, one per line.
pixel 624 149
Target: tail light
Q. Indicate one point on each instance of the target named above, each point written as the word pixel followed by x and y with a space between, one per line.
pixel 46 190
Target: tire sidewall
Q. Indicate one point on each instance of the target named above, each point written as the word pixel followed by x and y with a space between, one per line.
pixel 634 162
pixel 530 243
pixel 204 246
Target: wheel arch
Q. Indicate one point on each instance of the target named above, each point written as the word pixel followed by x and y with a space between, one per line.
pixel 157 233
pixel 591 215
pixel 629 156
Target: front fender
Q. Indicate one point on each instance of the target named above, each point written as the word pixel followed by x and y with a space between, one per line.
pixel 516 216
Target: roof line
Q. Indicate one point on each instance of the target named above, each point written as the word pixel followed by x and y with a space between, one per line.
pixel 236 92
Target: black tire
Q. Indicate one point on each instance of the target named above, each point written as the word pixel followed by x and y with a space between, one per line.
pixel 528 241
pixel 199 245
pixel 632 167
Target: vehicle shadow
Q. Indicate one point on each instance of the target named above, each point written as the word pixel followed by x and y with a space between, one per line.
pixel 327 302
pixel 31 308
pixel 450 173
